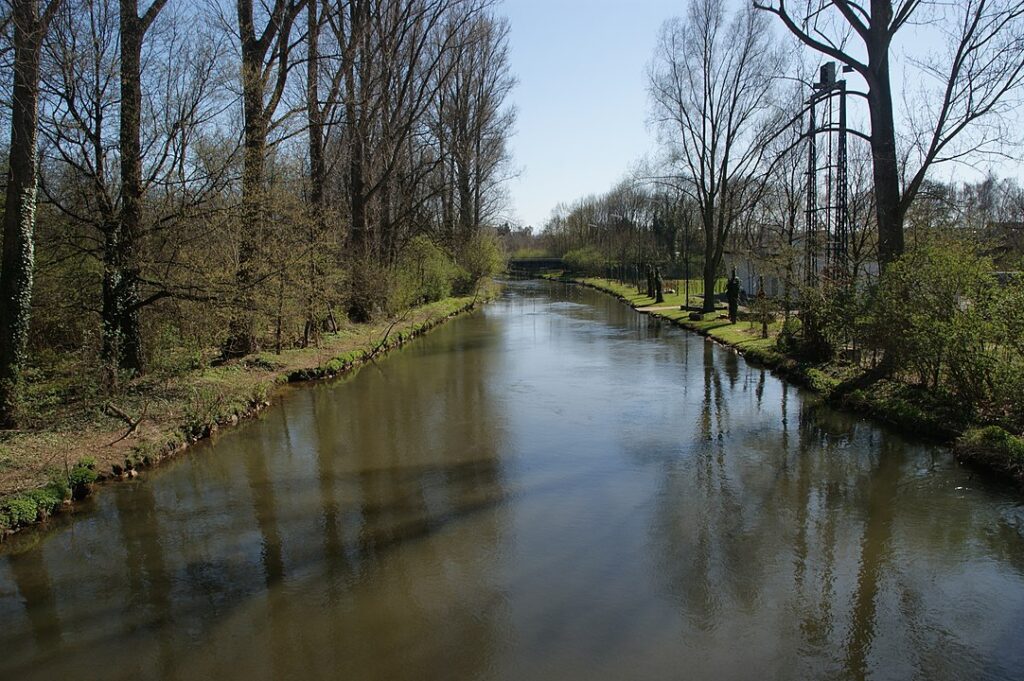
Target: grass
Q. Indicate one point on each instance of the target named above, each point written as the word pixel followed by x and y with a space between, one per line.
pixel 994 448
pixel 744 335
pixel 72 439
pixel 628 292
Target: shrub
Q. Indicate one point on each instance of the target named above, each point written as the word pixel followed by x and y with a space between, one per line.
pixel 482 257
pixel 20 510
pixel 995 439
pixel 994 448
pixel 587 260
pixel 48 499
pixel 82 477
pixel 370 289
pixel 425 274
pixel 833 317
pixel 932 307
pixel 173 352
pixel 789 336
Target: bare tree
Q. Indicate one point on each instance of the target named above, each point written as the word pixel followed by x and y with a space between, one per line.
pixel 133 32
pixel 713 90
pixel 984 65
pixel 396 64
pixel 266 62
pixel 30 26
pixel 97 132
pixel 472 122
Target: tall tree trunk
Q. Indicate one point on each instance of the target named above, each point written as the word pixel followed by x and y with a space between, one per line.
pixel 477 183
pixel 20 208
pixel 356 148
pixel 126 251
pixel 109 308
pixel 710 262
pixel 242 327
pixel 317 170
pixel 465 189
pixel 883 153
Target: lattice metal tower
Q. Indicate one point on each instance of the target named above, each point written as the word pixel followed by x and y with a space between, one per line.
pixel 827 239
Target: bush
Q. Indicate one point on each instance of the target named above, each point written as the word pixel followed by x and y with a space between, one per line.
pixel 995 439
pixel 425 274
pixel 932 310
pixel 20 510
pixel 833 315
pixel 482 257
pixel 82 477
pixel 994 448
pixel 941 318
pixel 587 260
pixel 788 340
pixel 173 352
pixel 370 290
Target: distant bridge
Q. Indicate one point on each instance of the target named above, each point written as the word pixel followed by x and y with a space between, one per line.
pixel 534 265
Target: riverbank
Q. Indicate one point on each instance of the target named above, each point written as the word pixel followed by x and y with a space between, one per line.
pixel 87 439
pixel 907 407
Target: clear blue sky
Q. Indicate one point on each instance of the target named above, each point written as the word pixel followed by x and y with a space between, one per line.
pixel 581 96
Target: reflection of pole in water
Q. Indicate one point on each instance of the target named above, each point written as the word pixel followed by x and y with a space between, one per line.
pixel 874 556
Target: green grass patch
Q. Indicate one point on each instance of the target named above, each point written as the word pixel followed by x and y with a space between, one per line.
pixel 994 448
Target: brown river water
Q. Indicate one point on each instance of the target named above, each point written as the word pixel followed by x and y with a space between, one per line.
pixel 554 487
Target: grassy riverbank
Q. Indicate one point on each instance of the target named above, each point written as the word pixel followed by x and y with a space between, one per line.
pixel 80 437
pixel 890 400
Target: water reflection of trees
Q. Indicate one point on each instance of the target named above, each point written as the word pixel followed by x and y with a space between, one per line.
pixel 356 529
pixel 378 510
pixel 411 491
pixel 788 535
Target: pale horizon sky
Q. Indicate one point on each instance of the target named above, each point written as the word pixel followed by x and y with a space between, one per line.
pixel 581 98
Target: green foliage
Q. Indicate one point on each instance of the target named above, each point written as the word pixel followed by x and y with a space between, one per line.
pixel 789 337
pixel 586 260
pixel 20 510
pixel 48 499
pixel 834 315
pixel 37 504
pixel 425 274
pixel 933 312
pixel 83 474
pixel 203 408
pixel 370 289
pixel 173 352
pixel 995 439
pixel 482 257
pixel 938 318
pixel 994 448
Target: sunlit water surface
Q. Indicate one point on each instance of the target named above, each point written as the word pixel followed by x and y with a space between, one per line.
pixel 552 488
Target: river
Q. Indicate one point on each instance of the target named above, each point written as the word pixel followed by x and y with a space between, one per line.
pixel 555 487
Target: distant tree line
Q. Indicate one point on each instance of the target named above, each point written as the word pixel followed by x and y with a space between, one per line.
pixel 239 174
